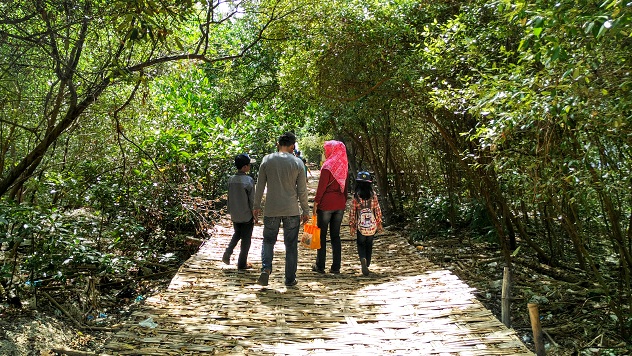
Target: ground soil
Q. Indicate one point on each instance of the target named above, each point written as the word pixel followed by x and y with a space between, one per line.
pixel 77 315
pixel 51 324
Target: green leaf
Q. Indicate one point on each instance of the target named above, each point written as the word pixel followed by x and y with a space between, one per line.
pixel 609 3
pixel 178 43
pixel 602 30
pixel 589 27
pixel 539 21
pixel 134 34
pixel 556 53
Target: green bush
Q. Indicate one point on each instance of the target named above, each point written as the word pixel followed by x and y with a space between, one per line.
pixel 431 216
pixel 312 148
pixel 51 244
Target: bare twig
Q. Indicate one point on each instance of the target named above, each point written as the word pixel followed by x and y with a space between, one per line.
pixel 550 338
pixel 74 321
pixel 72 352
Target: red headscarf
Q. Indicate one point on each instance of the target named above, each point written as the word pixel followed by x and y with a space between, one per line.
pixel 336 161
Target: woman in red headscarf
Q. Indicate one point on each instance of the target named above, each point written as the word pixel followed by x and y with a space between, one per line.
pixel 330 203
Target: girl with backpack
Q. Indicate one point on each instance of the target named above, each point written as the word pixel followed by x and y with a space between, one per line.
pixel 365 218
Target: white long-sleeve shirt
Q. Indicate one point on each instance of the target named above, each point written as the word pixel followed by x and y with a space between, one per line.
pixel 284 176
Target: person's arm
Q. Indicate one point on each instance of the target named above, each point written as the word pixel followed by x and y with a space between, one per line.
pixel 301 190
pixel 377 212
pixel 352 217
pixel 260 187
pixel 228 197
pixel 250 191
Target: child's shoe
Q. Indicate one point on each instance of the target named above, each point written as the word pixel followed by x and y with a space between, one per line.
pixel 365 268
pixel 226 258
pixel 317 270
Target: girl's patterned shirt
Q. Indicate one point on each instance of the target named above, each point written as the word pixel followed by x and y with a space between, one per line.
pixel 356 205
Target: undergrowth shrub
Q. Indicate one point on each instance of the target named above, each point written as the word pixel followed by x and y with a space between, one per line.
pixel 430 218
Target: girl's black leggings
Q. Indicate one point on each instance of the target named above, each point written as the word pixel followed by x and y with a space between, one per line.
pixel 365 247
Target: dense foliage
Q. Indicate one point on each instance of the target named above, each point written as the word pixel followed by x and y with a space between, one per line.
pixel 114 137
pixel 508 121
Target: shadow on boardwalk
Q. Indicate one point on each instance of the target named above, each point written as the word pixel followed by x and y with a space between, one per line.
pixel 406 306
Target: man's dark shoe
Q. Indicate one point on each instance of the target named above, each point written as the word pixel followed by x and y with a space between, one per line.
pixel 317 270
pixel 293 283
pixel 334 271
pixel 263 278
pixel 365 268
pixel 226 258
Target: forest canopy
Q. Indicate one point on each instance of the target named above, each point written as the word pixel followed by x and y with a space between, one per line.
pixel 507 121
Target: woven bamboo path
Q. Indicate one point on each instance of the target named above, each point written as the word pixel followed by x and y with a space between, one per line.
pixel 406 306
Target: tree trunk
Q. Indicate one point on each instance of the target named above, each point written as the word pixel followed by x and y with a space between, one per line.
pixel 32 160
pixel 571 229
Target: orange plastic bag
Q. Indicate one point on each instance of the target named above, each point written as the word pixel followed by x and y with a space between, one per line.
pixel 311 234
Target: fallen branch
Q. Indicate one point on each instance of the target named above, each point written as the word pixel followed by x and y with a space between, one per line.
pixel 149 276
pixel 489 259
pixel 74 321
pixel 155 264
pixel 102 328
pixel 160 274
pixel 192 241
pixel 553 272
pixel 550 338
pixel 72 352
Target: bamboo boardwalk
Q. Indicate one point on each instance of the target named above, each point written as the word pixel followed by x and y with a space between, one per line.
pixel 406 306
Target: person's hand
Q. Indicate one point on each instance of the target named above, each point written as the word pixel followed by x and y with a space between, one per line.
pixel 304 218
pixel 315 207
pixel 255 215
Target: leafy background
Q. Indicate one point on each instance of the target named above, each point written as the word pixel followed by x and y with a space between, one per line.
pixel 502 122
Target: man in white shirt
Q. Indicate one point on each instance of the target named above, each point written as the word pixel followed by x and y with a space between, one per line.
pixel 284 175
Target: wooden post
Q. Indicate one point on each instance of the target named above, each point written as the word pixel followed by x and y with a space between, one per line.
pixel 506 298
pixel 534 316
